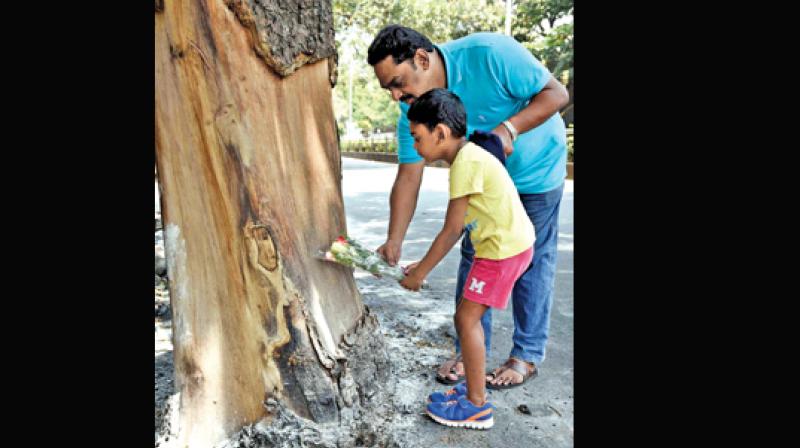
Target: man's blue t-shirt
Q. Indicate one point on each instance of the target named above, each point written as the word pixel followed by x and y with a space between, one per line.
pixel 496 77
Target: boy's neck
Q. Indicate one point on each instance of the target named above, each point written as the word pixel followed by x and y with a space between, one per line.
pixel 451 152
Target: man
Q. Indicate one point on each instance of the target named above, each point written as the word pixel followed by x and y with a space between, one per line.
pixel 505 90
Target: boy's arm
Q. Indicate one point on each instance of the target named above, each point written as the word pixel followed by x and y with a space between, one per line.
pixel 445 240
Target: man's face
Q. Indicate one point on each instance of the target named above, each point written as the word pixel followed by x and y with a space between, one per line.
pixel 403 81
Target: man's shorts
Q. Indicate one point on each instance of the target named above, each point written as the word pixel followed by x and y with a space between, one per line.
pixel 490 282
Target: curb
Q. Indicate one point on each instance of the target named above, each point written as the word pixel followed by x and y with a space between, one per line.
pixel 391 157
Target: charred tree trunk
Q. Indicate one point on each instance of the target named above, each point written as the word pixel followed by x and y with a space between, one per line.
pixel 250 175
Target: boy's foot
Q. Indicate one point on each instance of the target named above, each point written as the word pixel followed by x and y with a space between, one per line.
pixel 462 413
pixel 451 372
pixel 449 395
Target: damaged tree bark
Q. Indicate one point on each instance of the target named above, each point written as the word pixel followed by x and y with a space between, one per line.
pixel 249 168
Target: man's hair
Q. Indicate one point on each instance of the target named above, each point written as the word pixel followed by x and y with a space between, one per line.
pixel 398 41
pixel 439 106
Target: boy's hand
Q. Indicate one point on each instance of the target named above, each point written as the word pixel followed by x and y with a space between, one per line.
pixel 411 266
pixel 412 280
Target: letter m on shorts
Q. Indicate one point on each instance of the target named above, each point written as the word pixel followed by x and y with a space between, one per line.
pixel 477 286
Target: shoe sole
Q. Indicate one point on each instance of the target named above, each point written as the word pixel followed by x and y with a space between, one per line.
pixel 477 424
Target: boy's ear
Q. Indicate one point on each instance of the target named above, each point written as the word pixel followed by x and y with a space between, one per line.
pixel 442 132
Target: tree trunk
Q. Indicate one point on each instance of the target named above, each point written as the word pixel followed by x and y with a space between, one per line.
pixel 250 175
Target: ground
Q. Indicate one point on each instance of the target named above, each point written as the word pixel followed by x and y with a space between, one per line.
pixel 418 329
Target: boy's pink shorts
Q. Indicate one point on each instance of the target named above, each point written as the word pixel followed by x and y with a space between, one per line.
pixel 490 282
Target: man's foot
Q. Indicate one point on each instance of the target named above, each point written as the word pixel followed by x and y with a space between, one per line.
pixel 451 372
pixel 512 373
pixel 462 413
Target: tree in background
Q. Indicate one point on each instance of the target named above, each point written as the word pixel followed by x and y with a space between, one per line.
pixel 357 21
pixel 535 27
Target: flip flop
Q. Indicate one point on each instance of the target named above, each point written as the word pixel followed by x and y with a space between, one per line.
pixel 445 379
pixel 521 367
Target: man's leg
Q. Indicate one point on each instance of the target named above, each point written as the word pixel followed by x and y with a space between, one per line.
pixel 532 294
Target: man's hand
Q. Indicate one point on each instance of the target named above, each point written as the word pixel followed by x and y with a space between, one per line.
pixel 505 136
pixel 543 105
pixel 412 280
pixel 390 251
pixel 402 203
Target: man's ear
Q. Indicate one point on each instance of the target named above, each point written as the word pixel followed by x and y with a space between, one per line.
pixel 422 58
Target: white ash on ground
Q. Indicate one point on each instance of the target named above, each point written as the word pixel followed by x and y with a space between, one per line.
pixel 164 376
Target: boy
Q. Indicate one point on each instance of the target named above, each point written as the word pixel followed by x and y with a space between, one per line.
pixel 484 201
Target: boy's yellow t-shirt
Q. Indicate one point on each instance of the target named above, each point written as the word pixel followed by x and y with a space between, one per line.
pixel 496 220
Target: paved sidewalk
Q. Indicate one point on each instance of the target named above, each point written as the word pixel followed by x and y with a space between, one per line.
pixel 418 326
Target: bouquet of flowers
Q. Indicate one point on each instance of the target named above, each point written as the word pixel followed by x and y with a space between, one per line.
pixel 349 252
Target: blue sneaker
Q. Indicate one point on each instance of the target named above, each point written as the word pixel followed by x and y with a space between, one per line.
pixel 462 413
pixel 449 395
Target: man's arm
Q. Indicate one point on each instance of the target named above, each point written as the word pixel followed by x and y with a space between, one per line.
pixel 543 105
pixel 402 204
pixel 445 240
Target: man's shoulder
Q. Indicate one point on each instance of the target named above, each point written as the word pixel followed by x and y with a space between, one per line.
pixel 479 54
pixel 478 41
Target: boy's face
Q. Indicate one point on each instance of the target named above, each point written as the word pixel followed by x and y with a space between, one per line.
pixel 426 142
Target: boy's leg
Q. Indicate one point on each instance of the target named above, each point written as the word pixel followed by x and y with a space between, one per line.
pixel 467 253
pixel 468 324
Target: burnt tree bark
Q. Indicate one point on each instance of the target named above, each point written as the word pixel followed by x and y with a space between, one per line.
pixel 250 174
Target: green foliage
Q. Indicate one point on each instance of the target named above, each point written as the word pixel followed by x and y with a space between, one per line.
pixel 534 26
pixel 571 143
pixel 444 21
pixel 536 17
pixel 369 146
pixel 440 21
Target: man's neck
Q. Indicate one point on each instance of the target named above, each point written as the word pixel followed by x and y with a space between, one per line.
pixel 440 69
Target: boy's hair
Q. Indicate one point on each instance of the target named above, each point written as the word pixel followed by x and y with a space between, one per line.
pixel 439 106
pixel 400 42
